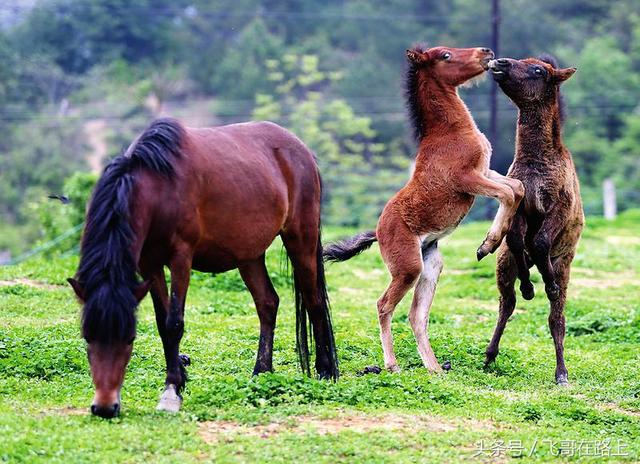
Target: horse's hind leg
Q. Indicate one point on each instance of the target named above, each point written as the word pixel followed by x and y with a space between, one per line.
pixel 422 299
pixel 506 272
pixel 561 268
pixel 400 250
pixel 257 279
pixel 301 243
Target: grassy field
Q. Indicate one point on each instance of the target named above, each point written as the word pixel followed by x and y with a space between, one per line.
pixel 512 410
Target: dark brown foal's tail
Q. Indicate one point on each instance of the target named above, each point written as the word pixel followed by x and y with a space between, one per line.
pixel 350 247
pixel 327 349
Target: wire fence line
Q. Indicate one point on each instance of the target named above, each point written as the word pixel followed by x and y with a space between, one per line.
pixel 47 246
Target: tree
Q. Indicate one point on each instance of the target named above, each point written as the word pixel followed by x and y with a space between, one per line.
pixel 348 153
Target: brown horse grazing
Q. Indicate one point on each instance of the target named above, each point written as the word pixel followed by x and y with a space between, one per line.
pixel 208 199
pixel 547 226
pixel 452 167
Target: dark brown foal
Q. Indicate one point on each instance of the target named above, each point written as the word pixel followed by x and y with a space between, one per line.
pixel 547 226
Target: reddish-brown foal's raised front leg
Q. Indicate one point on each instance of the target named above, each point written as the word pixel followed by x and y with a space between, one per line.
pixel 266 299
pixel 509 192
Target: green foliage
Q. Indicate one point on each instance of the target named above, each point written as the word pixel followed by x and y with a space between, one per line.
pixel 346 146
pixel 121 63
pixel 58 218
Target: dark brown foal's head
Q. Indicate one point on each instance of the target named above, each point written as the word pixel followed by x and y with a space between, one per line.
pixel 529 81
pixel 108 327
pixel 450 66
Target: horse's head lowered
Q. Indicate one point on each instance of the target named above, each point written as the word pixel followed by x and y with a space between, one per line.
pixel 451 66
pixel 108 347
pixel 531 80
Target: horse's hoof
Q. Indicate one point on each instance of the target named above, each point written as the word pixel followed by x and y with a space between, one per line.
pixel 553 292
pixel 481 253
pixel 562 380
pixel 394 369
pixel 370 370
pixel 527 290
pixel 185 359
pixel 446 366
pixel 170 401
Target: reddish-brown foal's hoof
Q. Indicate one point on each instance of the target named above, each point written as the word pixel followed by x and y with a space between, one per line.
pixel 481 253
pixel 527 290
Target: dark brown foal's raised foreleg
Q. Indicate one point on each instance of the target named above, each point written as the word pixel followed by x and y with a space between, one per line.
pixel 506 272
pixel 562 267
pixel 516 242
pixel 543 240
pixel 266 299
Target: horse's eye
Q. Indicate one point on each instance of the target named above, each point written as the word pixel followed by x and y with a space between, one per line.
pixel 538 71
pixel 446 56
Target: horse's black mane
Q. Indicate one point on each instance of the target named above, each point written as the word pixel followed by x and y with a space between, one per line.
pixel 562 107
pixel 107 270
pixel 412 95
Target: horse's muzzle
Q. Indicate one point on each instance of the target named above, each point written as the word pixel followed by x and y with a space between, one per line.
pixel 106 412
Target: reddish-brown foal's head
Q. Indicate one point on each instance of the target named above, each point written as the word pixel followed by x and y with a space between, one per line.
pixel 451 66
pixel 530 80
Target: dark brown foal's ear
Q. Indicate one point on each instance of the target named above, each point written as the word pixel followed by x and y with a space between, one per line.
pixel 141 290
pixel 417 57
pixel 561 75
pixel 77 288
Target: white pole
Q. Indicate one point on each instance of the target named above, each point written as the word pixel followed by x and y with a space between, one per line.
pixel 609 199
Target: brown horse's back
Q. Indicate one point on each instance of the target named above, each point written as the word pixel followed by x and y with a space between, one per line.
pixel 248 180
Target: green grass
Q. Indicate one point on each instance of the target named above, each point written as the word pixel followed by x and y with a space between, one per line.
pixel 45 387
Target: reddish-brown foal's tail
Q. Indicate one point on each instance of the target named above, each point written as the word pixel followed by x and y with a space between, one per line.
pixel 348 248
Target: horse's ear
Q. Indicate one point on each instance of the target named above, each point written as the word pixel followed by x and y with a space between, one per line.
pixel 562 75
pixel 141 290
pixel 77 288
pixel 417 57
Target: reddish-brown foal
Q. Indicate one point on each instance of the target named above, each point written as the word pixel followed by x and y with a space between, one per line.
pixel 548 224
pixel 452 167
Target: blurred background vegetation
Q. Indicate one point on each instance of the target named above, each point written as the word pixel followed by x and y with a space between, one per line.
pixel 78 80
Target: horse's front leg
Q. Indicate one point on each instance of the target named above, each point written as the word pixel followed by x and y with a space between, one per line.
pixel 516 244
pixel 171 328
pixel 543 241
pixel 507 194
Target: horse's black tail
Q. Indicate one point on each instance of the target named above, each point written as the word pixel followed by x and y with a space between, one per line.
pixel 348 248
pixel 328 348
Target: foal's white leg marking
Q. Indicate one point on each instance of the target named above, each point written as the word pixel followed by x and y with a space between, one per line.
pixel 170 401
pixel 422 299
